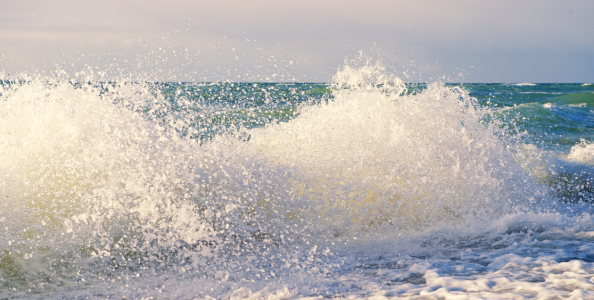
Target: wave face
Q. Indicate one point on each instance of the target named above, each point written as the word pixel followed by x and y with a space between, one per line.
pixel 238 190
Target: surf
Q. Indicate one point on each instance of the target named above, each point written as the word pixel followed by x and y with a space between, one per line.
pixel 134 184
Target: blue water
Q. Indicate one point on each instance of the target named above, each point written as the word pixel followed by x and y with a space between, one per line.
pixel 361 187
pixel 556 116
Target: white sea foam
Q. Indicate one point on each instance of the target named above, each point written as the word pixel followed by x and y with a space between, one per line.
pixel 374 192
pixel 582 153
pixel 524 84
pixel 373 156
pixel 544 93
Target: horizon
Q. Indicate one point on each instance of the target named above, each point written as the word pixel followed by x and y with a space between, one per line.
pixel 301 82
pixel 296 82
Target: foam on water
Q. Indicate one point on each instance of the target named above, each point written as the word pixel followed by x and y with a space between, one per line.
pixel 84 178
pixel 524 84
pixel 376 156
pixel 582 153
pixel 99 185
pixel 104 193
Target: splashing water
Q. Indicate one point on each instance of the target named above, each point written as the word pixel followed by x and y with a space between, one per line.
pixel 375 156
pixel 582 152
pixel 109 189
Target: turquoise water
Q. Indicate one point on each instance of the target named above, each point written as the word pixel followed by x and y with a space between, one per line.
pixel 361 187
pixel 556 116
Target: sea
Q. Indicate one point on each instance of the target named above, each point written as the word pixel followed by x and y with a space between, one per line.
pixel 364 187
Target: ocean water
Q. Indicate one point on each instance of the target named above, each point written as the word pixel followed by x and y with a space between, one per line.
pixel 363 187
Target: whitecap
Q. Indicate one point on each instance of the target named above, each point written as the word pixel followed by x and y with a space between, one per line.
pixel 583 153
pixel 524 84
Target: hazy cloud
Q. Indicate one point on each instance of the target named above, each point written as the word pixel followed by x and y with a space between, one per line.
pixel 482 40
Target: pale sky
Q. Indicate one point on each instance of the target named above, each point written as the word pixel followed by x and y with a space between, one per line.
pixel 264 40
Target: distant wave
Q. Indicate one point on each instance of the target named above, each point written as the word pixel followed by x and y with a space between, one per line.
pixel 546 93
pixel 524 84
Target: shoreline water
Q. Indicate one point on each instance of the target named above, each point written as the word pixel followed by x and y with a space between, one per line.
pixel 365 186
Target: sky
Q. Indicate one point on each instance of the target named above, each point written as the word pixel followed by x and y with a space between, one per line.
pixel 305 41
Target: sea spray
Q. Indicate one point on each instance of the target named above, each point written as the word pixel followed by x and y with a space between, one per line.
pixel 376 157
pixel 80 181
pixel 92 184
pixel 133 188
